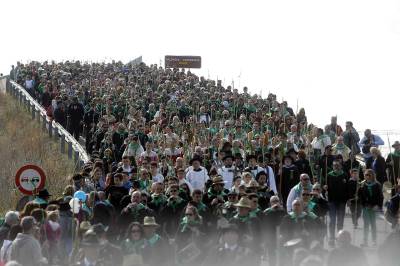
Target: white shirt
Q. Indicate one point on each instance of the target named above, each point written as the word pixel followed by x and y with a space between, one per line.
pixel 197 178
pixel 228 175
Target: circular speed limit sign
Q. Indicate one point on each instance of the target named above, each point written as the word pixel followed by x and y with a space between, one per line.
pixel 30 179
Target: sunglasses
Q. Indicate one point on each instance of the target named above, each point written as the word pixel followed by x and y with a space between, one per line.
pixel 305 179
pixel 189 214
pixel 306 194
pixel 173 191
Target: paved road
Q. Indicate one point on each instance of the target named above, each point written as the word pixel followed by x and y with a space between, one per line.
pixel 383 230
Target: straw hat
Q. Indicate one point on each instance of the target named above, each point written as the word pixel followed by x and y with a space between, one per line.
pixel 218 180
pixel 150 221
pixel 244 202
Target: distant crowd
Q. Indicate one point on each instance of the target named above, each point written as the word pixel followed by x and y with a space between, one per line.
pixel 185 171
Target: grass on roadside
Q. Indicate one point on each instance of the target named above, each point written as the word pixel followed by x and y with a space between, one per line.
pixel 22 141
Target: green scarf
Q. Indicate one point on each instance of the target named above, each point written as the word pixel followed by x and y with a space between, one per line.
pixel 254 213
pixel 340 146
pixel 211 193
pixel 186 223
pixel 243 219
pixel 153 240
pixel 132 247
pixel 174 204
pixel 158 200
pixel 369 187
pixel 334 173
pixel 144 184
pixel 396 153
pixel 296 217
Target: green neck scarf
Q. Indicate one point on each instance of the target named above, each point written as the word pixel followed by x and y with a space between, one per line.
pixel 254 213
pixel 153 240
pixel 336 173
pixel 212 193
pixel 243 219
pixel 186 223
pixel 158 200
pixel 174 204
pixel 396 153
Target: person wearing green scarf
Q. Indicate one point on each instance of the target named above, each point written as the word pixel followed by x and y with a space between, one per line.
pixel 299 224
pixel 339 148
pixel 134 241
pixel 336 186
pixel 371 197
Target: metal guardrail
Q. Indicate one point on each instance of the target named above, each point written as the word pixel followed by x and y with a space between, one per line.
pixel 67 142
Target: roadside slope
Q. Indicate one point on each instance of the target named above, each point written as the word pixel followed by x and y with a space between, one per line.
pixel 22 141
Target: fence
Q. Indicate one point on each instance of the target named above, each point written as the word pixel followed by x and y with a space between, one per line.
pixel 68 144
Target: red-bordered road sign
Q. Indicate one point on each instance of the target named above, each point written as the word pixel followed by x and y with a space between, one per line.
pixel 30 179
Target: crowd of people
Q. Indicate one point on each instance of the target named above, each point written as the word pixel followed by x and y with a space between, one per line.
pixel 184 171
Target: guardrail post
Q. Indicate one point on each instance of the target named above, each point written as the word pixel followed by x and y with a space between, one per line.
pixel 20 97
pixel 62 144
pixel 50 129
pixel 44 122
pixel 33 111
pixel 70 150
pixel 76 156
pixel 37 115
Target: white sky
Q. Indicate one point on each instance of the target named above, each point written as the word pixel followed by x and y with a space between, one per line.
pixel 337 57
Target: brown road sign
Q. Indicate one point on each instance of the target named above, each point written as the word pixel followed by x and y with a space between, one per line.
pixel 174 61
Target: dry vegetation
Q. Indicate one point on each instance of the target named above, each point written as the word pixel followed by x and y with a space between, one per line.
pixel 22 141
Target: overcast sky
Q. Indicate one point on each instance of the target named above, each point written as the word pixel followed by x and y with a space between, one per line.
pixel 336 57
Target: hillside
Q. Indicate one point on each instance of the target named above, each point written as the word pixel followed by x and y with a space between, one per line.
pixel 22 141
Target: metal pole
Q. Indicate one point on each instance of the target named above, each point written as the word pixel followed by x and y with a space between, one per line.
pixel 76 156
pixel 44 122
pixel 33 111
pixel 70 150
pixel 50 129
pixel 62 144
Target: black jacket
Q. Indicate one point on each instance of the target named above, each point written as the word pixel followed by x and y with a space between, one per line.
pixel 371 195
pixel 337 187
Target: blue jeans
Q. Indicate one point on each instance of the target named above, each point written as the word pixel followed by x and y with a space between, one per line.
pixel 336 217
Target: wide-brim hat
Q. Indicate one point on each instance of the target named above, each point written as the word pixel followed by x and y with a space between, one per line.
pixel 218 180
pixel 396 143
pixel 44 193
pixel 244 202
pixel 150 221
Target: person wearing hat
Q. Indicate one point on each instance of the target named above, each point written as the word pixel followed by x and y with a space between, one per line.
pixel 42 198
pixel 238 163
pixel 156 251
pixel 290 176
pixel 197 176
pixel 230 250
pixel 272 218
pixel 263 191
pixel 227 171
pixel 254 169
pixel 393 163
pixel 89 252
pixel 215 195
pixel 249 226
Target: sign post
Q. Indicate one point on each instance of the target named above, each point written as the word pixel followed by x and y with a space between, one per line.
pixel 30 179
